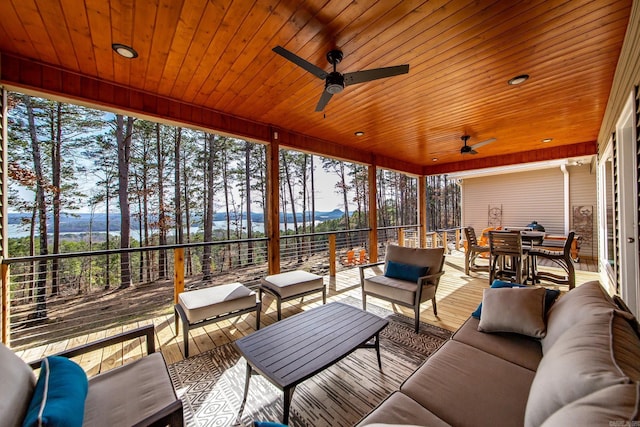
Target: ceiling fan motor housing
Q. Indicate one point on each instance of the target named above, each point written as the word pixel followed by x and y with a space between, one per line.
pixel 334 83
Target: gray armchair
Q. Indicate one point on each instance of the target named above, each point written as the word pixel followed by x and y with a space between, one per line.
pixel 407 293
pixel 138 393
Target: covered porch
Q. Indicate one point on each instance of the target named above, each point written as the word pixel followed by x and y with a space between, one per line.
pixel 458 295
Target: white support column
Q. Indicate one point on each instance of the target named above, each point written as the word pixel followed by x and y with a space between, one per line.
pixel 567 206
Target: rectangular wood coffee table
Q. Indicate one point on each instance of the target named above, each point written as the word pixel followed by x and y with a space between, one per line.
pixel 295 349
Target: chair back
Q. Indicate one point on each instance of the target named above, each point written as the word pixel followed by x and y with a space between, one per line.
pixel 567 245
pixel 508 243
pixel 423 257
pixel 470 236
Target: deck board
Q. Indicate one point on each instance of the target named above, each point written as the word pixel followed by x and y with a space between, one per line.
pixel 458 295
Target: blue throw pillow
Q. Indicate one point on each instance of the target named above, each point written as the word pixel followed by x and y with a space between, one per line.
pixel 408 272
pixel 550 295
pixel 58 399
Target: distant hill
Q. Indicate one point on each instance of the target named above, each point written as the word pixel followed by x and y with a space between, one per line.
pixel 80 222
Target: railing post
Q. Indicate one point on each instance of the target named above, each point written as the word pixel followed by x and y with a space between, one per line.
pixel 332 255
pixel 178 273
pixel 444 239
pixel 4 270
pixel 400 236
pixel 457 239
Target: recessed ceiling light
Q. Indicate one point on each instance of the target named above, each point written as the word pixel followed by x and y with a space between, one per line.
pixel 124 50
pixel 358 133
pixel 435 159
pixel 519 79
pixel 547 140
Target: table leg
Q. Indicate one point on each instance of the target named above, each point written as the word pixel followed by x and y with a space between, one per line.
pixel 377 344
pixel 288 394
pixel 246 392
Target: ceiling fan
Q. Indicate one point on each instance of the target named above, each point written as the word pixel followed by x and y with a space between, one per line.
pixel 335 82
pixel 471 149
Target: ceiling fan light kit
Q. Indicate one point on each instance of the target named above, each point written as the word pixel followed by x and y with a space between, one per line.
pixel 335 82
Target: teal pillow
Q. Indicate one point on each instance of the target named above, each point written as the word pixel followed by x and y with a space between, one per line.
pixel 58 399
pixel 412 273
pixel 550 295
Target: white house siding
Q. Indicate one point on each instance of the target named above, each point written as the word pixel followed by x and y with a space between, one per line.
pixel 536 195
pixel 583 185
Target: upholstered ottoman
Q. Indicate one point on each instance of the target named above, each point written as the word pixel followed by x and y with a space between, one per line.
pixel 292 284
pixel 204 306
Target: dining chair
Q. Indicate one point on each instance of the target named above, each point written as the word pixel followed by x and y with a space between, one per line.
pixel 560 257
pixel 473 251
pixel 508 260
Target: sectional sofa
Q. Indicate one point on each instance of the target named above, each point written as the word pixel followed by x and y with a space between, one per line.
pixel 519 365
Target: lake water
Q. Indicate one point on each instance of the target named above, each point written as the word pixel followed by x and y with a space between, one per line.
pixel 17 230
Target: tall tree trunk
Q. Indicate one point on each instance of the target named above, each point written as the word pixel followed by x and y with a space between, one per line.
pixel 56 144
pixel 41 283
pixel 345 200
pixel 32 248
pixel 187 213
pixel 287 173
pixel 145 214
pixel 162 221
pixel 123 137
pixel 313 197
pixel 208 217
pixel 225 185
pixel 107 270
pixel 176 187
pixel 247 190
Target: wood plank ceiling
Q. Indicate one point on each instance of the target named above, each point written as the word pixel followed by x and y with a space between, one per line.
pixel 217 55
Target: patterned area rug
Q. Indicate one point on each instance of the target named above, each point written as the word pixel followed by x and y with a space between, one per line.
pixel 211 384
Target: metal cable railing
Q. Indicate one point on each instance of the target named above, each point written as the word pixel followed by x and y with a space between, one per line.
pixel 55 297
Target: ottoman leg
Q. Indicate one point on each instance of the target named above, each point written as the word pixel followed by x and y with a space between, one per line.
pixel 279 305
pixel 185 328
pixel 258 310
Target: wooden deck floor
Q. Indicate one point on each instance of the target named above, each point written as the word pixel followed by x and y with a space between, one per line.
pixel 458 295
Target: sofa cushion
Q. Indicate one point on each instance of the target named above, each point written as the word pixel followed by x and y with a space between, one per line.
pixel 599 352
pixel 517 310
pixel 549 298
pixel 579 303
pixel 598 408
pixel 465 386
pixel 519 349
pixel 398 270
pixel 397 409
pixel 18 383
pixel 58 399
pixel 129 394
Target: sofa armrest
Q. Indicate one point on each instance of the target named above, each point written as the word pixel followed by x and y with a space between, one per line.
pixel 147 331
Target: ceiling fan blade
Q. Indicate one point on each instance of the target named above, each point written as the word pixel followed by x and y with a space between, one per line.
pixel 313 69
pixel 473 151
pixel 324 100
pixel 482 143
pixel 374 74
